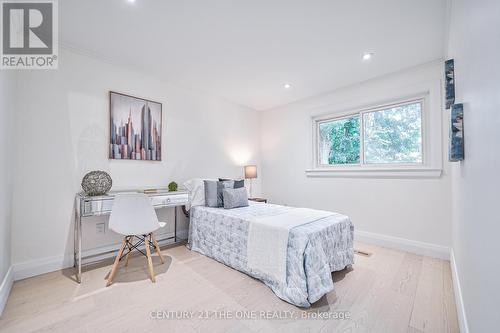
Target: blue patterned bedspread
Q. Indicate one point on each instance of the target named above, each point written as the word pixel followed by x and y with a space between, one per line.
pixel 314 250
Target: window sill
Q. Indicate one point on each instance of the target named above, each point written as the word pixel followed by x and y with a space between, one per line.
pixel 357 172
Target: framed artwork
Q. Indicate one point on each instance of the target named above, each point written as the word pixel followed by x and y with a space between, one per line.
pixel 449 76
pixel 135 128
pixel 456 152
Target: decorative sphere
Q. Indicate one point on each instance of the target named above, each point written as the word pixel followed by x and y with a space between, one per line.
pixel 96 183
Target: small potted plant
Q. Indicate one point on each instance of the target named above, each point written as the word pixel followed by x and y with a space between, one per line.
pixel 172 187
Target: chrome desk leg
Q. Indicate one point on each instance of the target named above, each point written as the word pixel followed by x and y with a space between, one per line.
pixel 78 242
pixel 175 224
pixel 74 237
pixel 79 278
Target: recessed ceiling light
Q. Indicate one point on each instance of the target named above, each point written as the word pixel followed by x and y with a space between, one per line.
pixel 131 1
pixel 367 56
pixel 287 86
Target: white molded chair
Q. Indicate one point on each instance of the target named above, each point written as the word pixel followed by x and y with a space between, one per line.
pixel 134 216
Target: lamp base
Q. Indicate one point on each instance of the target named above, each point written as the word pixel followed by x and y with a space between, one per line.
pixel 250 195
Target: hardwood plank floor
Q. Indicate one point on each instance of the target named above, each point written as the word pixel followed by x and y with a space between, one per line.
pixel 388 291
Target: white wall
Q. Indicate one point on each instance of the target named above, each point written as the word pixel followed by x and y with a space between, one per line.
pixel 414 209
pixel 475 45
pixel 62 133
pixel 7 111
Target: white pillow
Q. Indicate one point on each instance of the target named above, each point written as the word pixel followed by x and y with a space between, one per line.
pixel 196 190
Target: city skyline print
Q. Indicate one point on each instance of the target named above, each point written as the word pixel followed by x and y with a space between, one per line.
pixel 135 128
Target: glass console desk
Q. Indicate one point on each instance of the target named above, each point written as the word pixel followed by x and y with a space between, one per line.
pixel 87 206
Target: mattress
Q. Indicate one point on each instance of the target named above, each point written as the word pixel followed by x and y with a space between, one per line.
pixel 314 250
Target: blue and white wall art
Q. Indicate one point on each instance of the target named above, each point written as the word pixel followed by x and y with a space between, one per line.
pixel 457 133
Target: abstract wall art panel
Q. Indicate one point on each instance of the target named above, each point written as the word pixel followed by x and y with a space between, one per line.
pixel 457 133
pixel 135 128
pixel 449 76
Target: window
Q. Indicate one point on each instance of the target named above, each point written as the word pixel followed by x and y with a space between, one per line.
pixel 390 136
pixel 393 135
pixel 339 141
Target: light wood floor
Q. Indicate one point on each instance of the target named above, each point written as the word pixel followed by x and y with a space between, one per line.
pixel 390 291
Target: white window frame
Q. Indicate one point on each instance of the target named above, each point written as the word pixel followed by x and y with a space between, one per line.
pixel 431 165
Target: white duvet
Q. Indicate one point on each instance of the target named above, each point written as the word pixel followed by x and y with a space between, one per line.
pixel 268 239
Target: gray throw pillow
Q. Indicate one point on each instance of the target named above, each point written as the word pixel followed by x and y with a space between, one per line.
pixel 220 187
pixel 234 198
pixel 237 183
pixel 210 193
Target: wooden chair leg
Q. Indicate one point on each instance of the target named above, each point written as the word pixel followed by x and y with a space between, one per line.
pixel 157 247
pixel 129 245
pixel 150 261
pixel 115 265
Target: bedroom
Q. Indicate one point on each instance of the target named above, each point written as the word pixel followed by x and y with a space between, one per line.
pixel 295 99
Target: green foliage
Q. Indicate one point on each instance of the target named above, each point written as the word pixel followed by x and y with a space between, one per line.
pixel 394 135
pixel 391 135
pixel 172 186
pixel 340 141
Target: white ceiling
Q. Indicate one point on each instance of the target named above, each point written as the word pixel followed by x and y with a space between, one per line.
pixel 246 50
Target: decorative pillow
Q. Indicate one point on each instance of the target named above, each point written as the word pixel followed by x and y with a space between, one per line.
pixel 234 198
pixel 220 187
pixel 237 183
pixel 210 193
pixel 213 192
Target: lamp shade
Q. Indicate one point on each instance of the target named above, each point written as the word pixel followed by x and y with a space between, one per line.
pixel 250 171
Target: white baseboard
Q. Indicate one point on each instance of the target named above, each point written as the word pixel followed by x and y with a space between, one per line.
pixel 50 264
pixel 462 318
pixel 421 248
pixel 41 266
pixel 5 288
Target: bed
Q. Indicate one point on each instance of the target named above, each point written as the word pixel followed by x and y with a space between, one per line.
pixel 313 250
